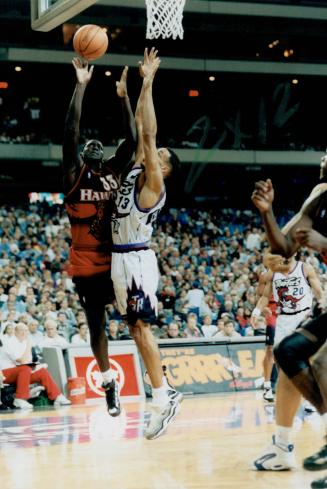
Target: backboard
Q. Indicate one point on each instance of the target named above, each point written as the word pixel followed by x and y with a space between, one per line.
pixel 48 14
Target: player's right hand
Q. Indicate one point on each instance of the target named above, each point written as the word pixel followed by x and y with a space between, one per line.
pixel 263 195
pixel 83 73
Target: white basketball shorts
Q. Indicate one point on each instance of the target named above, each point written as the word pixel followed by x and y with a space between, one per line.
pixel 135 277
pixel 285 324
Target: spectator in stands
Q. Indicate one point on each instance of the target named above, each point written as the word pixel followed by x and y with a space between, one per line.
pixel 51 337
pixel 195 297
pixel 113 333
pixel 64 326
pixel 172 332
pixel 9 329
pixel 208 329
pixel 228 331
pixel 15 360
pixel 191 329
pixel 82 338
pixel 123 331
pixel 35 336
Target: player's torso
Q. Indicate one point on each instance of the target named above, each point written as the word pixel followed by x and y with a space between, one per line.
pixel 89 206
pixel 292 292
pixel 130 223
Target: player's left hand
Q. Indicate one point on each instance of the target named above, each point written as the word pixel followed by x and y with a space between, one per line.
pixel 121 85
pixel 310 238
pixel 149 66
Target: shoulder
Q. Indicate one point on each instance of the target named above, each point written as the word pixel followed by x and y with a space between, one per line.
pixel 307 268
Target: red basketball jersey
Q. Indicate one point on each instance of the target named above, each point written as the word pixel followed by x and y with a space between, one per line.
pixel 89 207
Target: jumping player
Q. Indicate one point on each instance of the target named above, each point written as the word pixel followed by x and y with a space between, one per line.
pixel 134 265
pixel 293 353
pixel 89 185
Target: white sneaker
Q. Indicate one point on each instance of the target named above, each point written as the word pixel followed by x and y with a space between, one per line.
pixel 62 401
pixel 35 391
pixel 276 457
pixel 172 392
pixel 268 394
pixel 160 418
pixel 308 407
pixel 22 404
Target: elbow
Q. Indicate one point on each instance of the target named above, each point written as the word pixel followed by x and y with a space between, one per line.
pixel 149 136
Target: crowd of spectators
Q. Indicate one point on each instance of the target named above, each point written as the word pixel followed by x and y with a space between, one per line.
pixel 209 263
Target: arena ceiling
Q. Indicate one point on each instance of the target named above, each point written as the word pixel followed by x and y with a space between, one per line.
pixel 216 36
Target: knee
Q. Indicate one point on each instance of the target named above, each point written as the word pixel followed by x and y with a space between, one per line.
pixel 24 370
pixel 291 354
pixel 139 331
pixel 319 362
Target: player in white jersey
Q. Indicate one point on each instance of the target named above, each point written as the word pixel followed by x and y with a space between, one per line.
pixel 292 290
pixel 134 267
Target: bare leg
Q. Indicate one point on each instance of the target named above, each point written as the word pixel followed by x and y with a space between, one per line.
pixel 268 363
pixel 99 341
pixel 288 400
pixel 149 351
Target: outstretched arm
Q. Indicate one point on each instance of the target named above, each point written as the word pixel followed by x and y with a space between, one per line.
pixel 262 198
pixel 153 184
pixel 126 149
pixel 139 155
pixel 71 158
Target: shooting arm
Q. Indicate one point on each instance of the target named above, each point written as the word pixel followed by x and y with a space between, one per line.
pixel 126 149
pixel 71 160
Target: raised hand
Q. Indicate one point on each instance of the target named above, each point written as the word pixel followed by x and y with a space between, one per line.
pixel 275 263
pixel 121 85
pixel 83 73
pixel 149 66
pixel 263 195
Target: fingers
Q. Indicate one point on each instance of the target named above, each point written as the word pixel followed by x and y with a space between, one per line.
pixel 124 74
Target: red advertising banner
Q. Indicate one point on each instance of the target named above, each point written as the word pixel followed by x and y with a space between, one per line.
pixel 123 368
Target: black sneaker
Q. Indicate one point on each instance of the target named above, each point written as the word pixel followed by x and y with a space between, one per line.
pixel 319 483
pixel 4 408
pixel 112 398
pixel 318 461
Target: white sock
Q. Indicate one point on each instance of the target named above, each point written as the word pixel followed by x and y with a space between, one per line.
pixel 267 384
pixel 107 376
pixel 160 396
pixel 324 418
pixel 284 435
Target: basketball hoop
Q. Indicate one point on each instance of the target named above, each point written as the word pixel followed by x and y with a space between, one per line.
pixel 164 18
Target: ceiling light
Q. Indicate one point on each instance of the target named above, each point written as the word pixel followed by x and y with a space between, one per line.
pixel 18 68
pixel 107 73
pixel 212 78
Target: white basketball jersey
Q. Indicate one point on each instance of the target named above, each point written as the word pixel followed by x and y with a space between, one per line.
pixel 292 292
pixel 132 225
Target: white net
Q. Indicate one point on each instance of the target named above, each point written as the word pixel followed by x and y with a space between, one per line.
pixel 164 18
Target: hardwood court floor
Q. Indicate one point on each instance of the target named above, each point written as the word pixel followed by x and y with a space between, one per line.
pixel 210 445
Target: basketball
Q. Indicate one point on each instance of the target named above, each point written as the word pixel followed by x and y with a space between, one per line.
pixel 90 42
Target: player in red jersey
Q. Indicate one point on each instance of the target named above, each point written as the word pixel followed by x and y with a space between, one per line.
pixel 90 182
